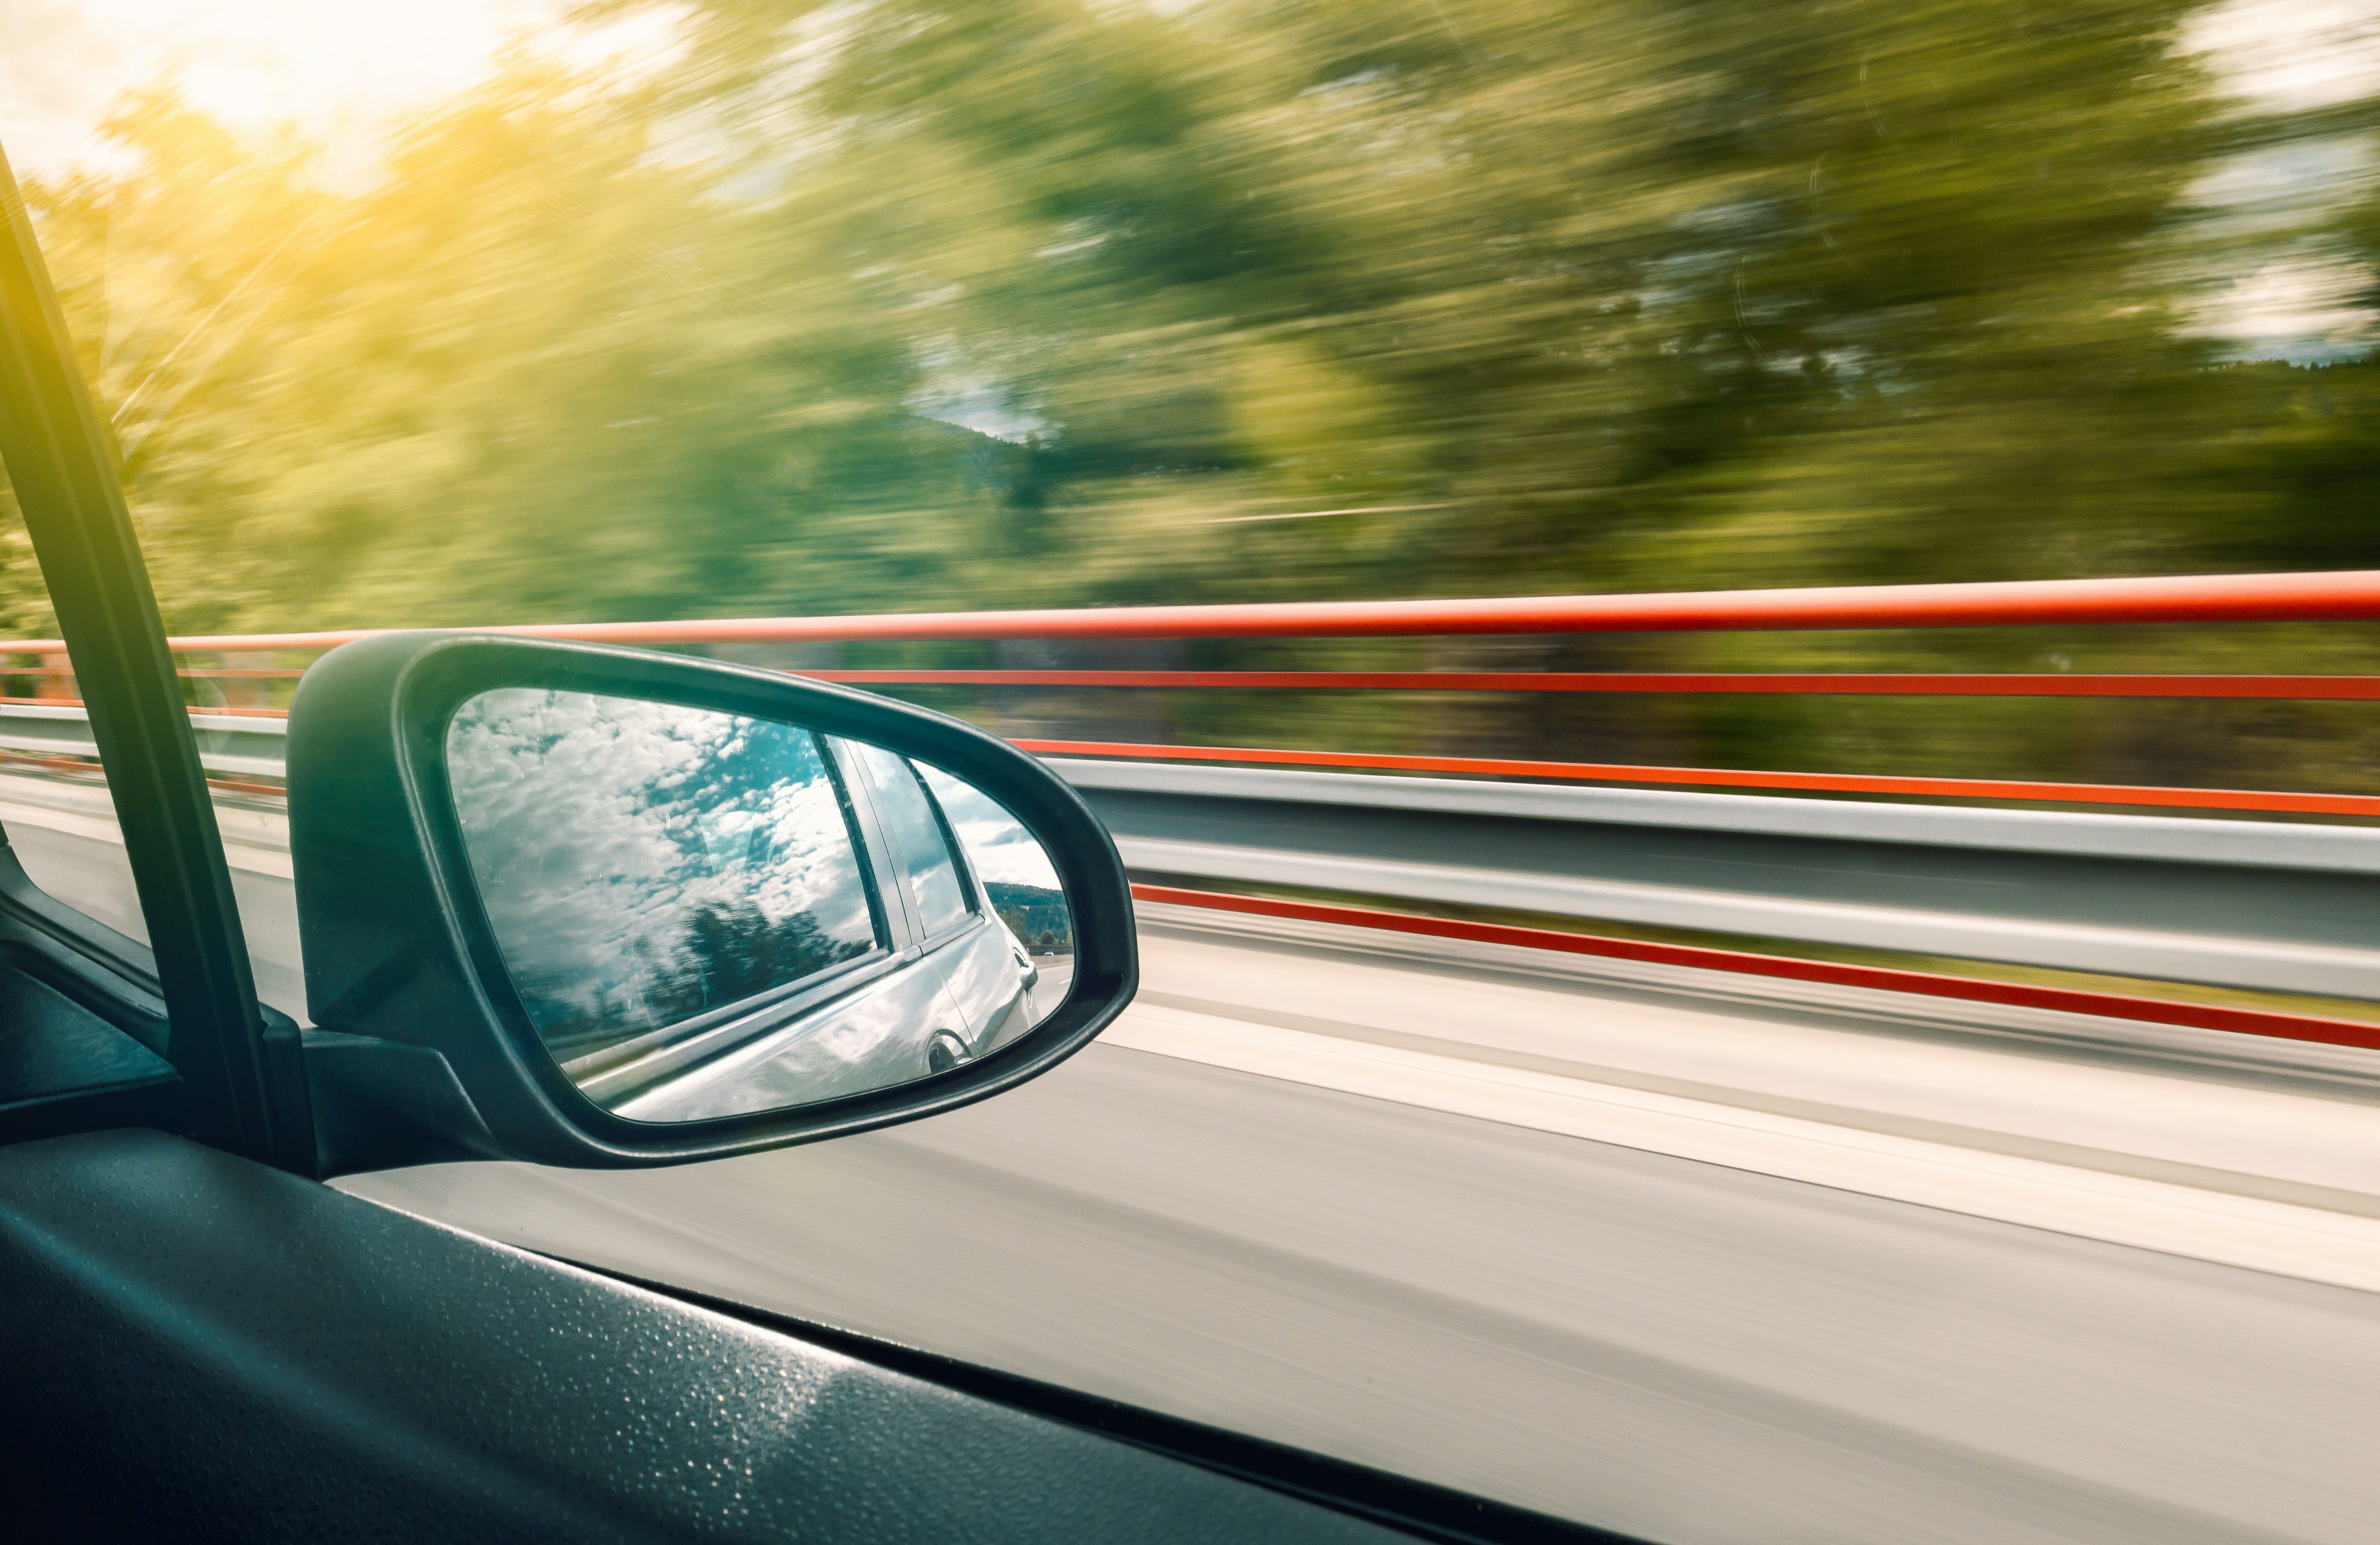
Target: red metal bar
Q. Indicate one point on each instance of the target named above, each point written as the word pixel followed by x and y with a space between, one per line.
pixel 2301 687
pixel 1700 777
pixel 248 785
pixel 2115 1006
pixel 1703 778
pixel 209 709
pixel 2220 597
pixel 2342 596
pixel 275 674
pixel 1823 783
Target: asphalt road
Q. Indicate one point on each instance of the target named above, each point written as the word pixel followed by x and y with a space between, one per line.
pixel 1703 1260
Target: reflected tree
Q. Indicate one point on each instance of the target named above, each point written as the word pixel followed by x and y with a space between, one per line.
pixel 731 949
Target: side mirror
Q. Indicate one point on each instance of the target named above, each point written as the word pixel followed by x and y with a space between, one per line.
pixel 595 906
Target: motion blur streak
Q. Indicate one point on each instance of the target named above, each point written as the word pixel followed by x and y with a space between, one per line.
pixel 918 307
pixel 1630 1327
pixel 1988 317
pixel 1694 1351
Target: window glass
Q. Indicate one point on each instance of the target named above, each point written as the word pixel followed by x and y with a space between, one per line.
pixel 674 312
pixel 54 798
pixel 56 810
pixel 59 816
pixel 998 846
pixel 921 849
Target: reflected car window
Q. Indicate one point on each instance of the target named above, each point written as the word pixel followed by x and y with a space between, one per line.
pixel 919 850
pixel 642 863
pixel 1017 878
pixel 997 844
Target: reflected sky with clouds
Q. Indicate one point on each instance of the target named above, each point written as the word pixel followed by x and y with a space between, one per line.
pixel 913 838
pixel 641 861
pixel 1001 850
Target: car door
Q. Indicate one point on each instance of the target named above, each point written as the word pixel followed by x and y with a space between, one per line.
pixel 986 974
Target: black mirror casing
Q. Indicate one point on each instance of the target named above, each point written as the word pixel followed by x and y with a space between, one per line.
pixel 422 1049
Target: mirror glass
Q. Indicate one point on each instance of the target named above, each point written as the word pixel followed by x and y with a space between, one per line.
pixel 708 914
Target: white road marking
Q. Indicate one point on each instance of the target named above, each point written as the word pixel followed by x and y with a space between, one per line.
pixel 96 828
pixel 240 855
pixel 2255 1232
pixel 2248 1232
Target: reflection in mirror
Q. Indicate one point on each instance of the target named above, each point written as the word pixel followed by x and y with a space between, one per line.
pixel 1018 879
pixel 707 914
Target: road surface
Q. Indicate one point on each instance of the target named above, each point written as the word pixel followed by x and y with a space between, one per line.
pixel 1697 1257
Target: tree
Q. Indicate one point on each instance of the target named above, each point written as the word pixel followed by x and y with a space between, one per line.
pixel 1489 296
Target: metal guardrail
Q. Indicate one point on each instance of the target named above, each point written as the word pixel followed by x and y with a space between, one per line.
pixel 2342 596
pixel 2267 906
pixel 2257 905
pixel 239 746
pixel 2263 906
pixel 246 670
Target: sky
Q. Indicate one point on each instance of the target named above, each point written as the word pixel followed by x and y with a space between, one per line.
pixel 2292 56
pixel 596 824
pixel 337 67
pixel 333 65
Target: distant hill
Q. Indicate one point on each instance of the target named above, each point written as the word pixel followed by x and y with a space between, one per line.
pixel 1036 914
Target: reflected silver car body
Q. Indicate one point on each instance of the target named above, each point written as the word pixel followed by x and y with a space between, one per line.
pixel 851 1029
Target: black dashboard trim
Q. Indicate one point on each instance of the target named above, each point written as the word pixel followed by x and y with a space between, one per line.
pixel 1419 1508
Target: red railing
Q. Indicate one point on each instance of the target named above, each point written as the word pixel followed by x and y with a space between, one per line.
pixel 2286 597
pixel 2264 598
pixel 2350 596
pixel 1798 782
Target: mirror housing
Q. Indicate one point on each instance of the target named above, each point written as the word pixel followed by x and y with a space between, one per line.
pixel 421 1049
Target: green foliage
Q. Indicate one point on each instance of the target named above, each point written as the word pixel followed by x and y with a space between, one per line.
pixel 1544 294
pixel 724 954
pixel 1036 914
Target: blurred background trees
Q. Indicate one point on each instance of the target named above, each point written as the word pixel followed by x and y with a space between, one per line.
pixel 898 305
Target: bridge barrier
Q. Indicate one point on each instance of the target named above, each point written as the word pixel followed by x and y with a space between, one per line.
pixel 2263 906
